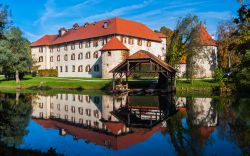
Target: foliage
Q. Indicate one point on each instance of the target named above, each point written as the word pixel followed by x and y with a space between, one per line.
pixel 218 74
pixel 48 73
pixel 4 20
pixel 226 57
pixel 14 53
pixel 15 112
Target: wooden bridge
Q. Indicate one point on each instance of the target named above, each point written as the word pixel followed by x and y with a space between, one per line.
pixel 147 63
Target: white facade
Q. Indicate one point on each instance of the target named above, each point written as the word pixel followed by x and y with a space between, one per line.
pixel 57 57
pixel 206 63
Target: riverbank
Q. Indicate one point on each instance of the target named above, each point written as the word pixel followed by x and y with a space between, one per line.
pixel 79 84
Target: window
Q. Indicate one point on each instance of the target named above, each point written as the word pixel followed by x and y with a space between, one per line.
pixel 66 108
pixel 65 47
pixel 56 68
pixel 139 42
pixel 66 68
pixel 58 58
pixel 81 121
pixel 40 59
pixel 95 43
pixel 87 56
pixel 80 110
pixel 87 69
pixel 41 49
pixel 72 46
pixel 40 105
pixel 123 39
pixel 73 56
pixel 61 69
pixel 87 45
pixel 65 57
pixel 73 109
pixel 66 117
pixel 80 98
pixel 80 45
pixel 109 53
pixel 58 106
pixel 104 41
pixel 96 113
pixel 51 58
pixel 148 44
pixel 95 54
pixel 96 68
pixel 88 112
pixel 73 68
pixel 51 49
pixel 131 41
pixel 58 48
pixel 87 98
pixel 80 56
pixel 80 68
pixel 73 98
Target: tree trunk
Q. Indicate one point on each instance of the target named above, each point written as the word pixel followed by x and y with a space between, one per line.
pixel 17 78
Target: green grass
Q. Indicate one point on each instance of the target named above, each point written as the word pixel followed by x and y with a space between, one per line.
pixel 97 83
pixel 57 83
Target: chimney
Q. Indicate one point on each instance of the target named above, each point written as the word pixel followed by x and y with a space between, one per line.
pixel 62 31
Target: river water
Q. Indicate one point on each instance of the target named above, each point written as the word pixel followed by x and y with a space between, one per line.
pixel 100 124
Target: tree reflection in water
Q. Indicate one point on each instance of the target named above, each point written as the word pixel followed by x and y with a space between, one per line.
pixel 118 122
pixel 15 111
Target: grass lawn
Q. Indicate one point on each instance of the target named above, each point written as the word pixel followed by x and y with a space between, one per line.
pixel 96 83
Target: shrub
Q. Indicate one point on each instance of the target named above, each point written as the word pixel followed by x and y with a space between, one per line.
pixel 48 73
pixel 218 74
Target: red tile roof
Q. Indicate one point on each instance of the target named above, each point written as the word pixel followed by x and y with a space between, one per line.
pixel 116 142
pixel 115 26
pixel 114 44
pixel 145 55
pixel 45 40
pixel 205 38
pixel 161 35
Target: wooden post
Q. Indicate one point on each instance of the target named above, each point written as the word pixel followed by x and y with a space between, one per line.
pixel 113 82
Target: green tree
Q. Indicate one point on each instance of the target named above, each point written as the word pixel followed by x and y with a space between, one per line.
pixel 183 41
pixel 14 53
pixel 4 20
pixel 15 111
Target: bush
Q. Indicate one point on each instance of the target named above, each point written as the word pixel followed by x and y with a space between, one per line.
pixel 48 73
pixel 218 74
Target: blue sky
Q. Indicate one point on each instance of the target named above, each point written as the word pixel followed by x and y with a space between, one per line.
pixel 39 17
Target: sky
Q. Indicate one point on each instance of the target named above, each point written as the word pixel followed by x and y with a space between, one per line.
pixel 39 17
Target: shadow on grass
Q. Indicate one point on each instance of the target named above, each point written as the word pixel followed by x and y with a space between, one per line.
pixel 4 80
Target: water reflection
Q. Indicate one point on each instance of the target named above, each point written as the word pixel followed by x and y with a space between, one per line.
pixel 126 124
pixel 115 122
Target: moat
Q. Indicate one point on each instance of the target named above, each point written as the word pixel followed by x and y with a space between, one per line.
pixel 94 124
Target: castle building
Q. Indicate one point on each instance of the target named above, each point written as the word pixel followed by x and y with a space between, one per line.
pixel 206 61
pixel 93 49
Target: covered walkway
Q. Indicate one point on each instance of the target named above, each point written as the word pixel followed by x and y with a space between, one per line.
pixel 147 63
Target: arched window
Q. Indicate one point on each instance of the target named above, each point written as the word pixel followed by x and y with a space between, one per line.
pixel 148 44
pixel 58 58
pixel 80 56
pixel 40 59
pixel 95 54
pixel 87 68
pixel 65 57
pixel 73 56
pixel 87 56
pixel 96 68
pixel 51 58
pixel 80 68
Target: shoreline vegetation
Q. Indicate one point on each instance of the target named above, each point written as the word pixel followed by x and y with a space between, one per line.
pixel 99 85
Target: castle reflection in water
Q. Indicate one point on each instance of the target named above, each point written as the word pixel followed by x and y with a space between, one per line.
pixel 118 122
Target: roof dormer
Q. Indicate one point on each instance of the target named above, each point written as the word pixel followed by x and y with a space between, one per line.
pixel 106 24
pixel 85 24
pixel 62 31
pixel 75 26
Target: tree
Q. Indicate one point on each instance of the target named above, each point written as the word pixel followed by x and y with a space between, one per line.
pixel 168 33
pixel 14 53
pixel 226 57
pixel 181 38
pixel 4 20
